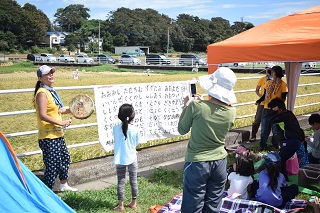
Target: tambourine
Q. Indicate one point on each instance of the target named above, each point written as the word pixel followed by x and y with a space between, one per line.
pixel 81 106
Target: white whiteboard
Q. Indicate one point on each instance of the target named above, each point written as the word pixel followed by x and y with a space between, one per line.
pixel 157 107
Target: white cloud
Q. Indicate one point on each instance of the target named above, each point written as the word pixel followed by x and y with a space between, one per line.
pixel 228 6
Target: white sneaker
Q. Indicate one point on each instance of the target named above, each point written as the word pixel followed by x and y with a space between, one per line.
pixel 66 187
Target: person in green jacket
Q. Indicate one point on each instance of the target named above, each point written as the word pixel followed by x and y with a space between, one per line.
pixel 205 172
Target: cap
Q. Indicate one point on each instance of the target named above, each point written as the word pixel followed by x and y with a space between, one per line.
pixel 44 69
pixel 272 158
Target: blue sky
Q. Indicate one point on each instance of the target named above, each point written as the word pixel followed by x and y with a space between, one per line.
pixel 254 11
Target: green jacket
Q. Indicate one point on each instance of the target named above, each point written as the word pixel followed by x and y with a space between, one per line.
pixel 209 124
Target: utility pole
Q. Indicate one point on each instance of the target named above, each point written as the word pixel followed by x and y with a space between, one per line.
pixel 99 38
pixel 168 43
pixel 168 37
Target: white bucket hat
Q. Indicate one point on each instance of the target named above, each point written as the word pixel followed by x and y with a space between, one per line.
pixel 220 85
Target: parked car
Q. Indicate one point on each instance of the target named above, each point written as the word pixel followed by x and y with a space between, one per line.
pixel 46 57
pixel 106 59
pixel 192 59
pixel 309 65
pixel 66 58
pixel 33 57
pixel 84 58
pixel 129 59
pixel 157 59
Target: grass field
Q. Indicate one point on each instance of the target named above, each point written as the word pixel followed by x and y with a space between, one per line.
pixel 155 190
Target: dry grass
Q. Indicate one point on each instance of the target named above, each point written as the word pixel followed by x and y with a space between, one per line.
pixel 64 77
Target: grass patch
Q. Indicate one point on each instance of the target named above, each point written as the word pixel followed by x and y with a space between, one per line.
pixel 158 189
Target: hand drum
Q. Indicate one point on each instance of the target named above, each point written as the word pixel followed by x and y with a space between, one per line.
pixel 81 106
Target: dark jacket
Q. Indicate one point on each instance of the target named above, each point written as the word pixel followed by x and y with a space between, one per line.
pixel 291 129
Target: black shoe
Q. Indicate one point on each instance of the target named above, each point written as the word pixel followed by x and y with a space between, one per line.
pixel 252 139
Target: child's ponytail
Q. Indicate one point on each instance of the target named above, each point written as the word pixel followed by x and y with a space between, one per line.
pixel 126 115
pixel 272 163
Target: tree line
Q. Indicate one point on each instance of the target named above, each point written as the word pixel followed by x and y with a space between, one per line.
pixel 22 27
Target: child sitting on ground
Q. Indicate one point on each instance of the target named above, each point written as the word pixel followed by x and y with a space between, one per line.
pixel 272 188
pixel 314 142
pixel 241 179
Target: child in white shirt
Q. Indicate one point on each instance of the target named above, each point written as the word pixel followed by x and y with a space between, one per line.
pixel 241 179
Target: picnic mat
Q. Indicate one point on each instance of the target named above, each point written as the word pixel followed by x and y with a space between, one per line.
pixel 240 205
pixel 173 206
pixel 233 205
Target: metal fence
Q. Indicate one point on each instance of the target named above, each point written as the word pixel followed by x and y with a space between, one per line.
pixel 18 134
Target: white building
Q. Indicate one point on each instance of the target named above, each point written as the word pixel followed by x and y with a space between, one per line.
pixel 53 39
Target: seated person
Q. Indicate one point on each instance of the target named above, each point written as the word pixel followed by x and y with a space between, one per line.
pixel 314 142
pixel 272 188
pixel 241 179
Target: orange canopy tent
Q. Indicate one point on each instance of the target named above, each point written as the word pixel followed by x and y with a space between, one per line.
pixel 291 39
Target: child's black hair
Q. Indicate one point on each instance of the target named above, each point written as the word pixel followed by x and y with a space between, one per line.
pixel 314 118
pixel 244 166
pixel 126 115
pixel 273 170
pixel 277 102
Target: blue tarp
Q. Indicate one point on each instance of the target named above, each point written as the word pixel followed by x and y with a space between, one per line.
pixel 21 190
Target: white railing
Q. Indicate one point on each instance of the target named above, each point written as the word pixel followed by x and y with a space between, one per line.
pixel 17 134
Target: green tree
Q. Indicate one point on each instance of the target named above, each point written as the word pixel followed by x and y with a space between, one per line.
pixel 89 28
pixel 190 26
pixel 7 41
pixel 27 23
pixel 11 17
pixel 107 44
pixel 71 48
pixel 139 27
pixel 239 26
pixel 71 39
pixel 120 40
pixel 72 17
pixel 220 29
pixel 93 46
pixel 37 24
